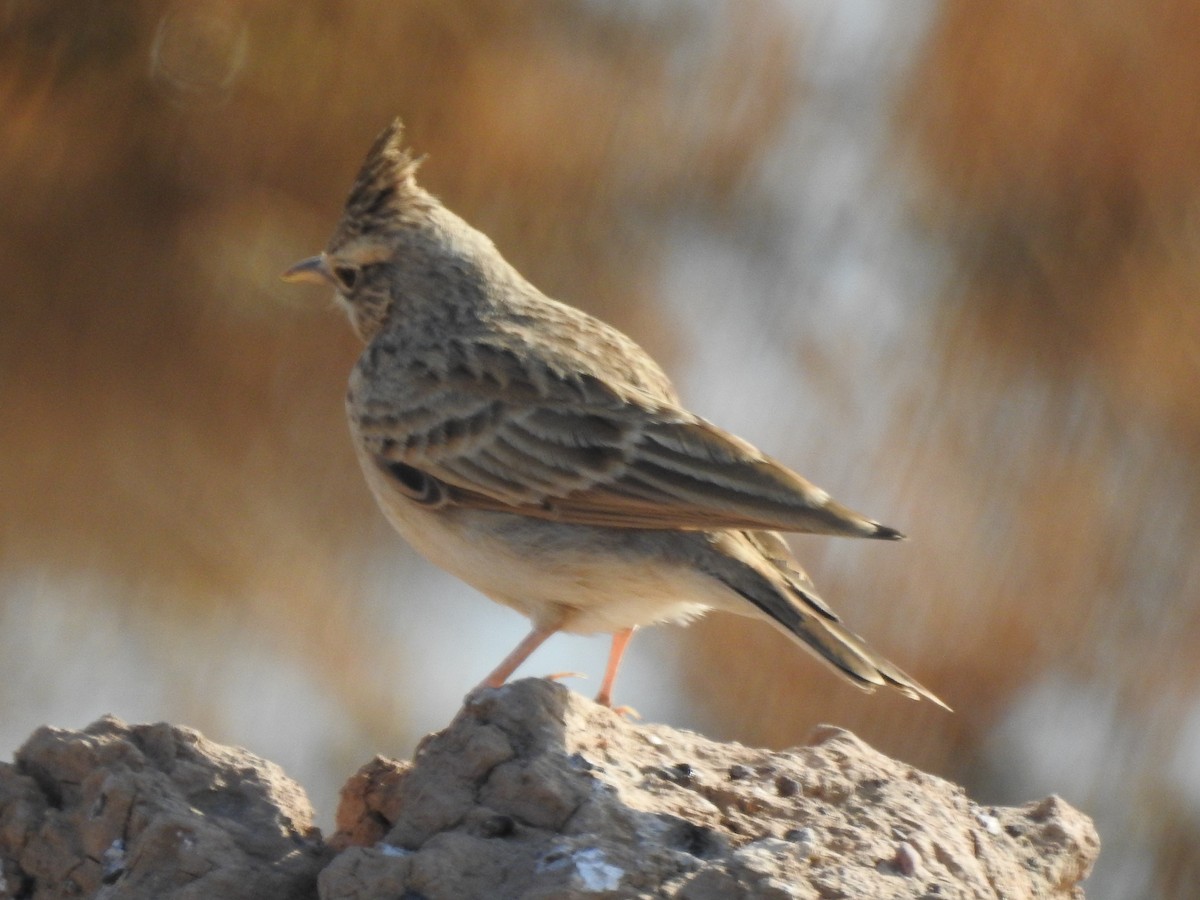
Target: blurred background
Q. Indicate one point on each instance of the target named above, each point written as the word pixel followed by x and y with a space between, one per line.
pixel 941 258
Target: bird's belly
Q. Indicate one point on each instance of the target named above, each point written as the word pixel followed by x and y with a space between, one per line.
pixel 575 578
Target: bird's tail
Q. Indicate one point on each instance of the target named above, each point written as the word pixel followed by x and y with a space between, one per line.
pixel 760 567
pixel 853 658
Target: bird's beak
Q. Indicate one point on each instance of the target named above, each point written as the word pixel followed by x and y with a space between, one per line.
pixel 314 270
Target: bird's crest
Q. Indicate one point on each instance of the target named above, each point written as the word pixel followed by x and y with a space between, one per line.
pixel 385 192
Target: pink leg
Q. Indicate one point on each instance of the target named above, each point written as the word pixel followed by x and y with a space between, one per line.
pixel 532 641
pixel 620 640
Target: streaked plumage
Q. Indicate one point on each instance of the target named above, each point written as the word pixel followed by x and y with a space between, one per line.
pixel 543 457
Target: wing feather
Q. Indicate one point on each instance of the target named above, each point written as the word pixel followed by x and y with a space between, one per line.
pixel 560 445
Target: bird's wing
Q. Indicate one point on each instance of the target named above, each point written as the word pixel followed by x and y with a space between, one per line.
pixel 507 434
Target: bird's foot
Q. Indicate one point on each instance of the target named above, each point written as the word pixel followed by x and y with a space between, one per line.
pixel 559 676
pixel 626 712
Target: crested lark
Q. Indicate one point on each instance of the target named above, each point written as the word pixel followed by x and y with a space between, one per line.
pixel 544 458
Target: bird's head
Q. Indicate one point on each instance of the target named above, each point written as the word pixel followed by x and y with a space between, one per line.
pixel 384 203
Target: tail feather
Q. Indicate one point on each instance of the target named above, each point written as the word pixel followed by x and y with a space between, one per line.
pixel 851 657
pixel 759 567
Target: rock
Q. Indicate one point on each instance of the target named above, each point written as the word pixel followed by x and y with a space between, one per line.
pixel 120 811
pixel 536 792
pixel 531 792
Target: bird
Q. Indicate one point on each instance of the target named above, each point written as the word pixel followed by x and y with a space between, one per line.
pixel 544 458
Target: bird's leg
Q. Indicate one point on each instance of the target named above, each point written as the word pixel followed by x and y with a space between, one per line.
pixel 620 640
pixel 509 664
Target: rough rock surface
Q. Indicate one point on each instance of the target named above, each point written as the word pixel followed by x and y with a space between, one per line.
pixel 535 792
pixel 531 792
pixel 120 811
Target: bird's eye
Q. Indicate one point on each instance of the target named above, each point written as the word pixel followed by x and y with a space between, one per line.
pixel 347 276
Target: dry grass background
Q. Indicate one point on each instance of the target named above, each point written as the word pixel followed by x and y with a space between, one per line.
pixel 171 415
pixel 173 431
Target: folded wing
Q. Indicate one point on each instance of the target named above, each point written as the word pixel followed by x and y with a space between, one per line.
pixel 507 434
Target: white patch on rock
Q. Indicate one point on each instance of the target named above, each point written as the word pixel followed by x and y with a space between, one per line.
pixel 593 873
pixel 989 822
pixel 392 850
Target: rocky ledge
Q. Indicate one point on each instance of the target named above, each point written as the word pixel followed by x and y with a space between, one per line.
pixel 531 792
